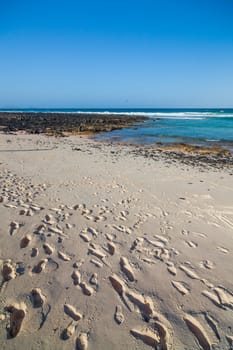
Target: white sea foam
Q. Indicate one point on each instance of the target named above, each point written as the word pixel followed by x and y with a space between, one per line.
pixel 213 140
pixel 165 115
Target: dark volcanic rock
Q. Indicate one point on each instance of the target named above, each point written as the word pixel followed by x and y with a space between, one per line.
pixel 211 160
pixel 62 123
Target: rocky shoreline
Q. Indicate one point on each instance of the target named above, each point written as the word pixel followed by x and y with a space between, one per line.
pixel 204 158
pixel 67 124
pixel 210 159
pixel 63 124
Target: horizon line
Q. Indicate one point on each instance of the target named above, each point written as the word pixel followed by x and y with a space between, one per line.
pixel 107 108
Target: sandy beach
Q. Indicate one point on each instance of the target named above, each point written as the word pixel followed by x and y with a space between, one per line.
pixel 102 248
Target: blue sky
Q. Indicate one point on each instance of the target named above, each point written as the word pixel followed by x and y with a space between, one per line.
pixel 131 53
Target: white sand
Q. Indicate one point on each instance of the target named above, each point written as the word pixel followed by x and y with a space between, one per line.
pixel 162 233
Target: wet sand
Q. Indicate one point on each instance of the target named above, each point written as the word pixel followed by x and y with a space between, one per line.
pixel 105 247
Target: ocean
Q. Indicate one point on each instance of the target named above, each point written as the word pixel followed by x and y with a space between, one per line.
pixel 203 127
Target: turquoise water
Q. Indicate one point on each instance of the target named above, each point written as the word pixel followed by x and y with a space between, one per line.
pixel 195 127
pixel 191 126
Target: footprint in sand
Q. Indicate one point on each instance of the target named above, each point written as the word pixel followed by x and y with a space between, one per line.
pixel 111 248
pixel 100 218
pixel 136 243
pixel 85 237
pixel 127 269
pixel 196 328
pixel 12 206
pixel 162 239
pixel 87 290
pixel 56 230
pixel 122 228
pixel 223 250
pixel 68 331
pixel 92 231
pixel 14 226
pixel 164 255
pixel 222 297
pixel 182 287
pixel 40 229
pixel 117 284
pixel 191 244
pixel 207 283
pixel 40 266
pixel 189 272
pixel 171 268
pixel 213 297
pixel 161 254
pixel 17 315
pixel 25 241
pixel 156 244
pixel 82 342
pixel 89 217
pixel 207 264
pixel 72 312
pixel 96 252
pixel 142 303
pixel 34 252
pixel 48 249
pixel 36 207
pixel 49 219
pixel 86 211
pixel 76 276
pixel 96 263
pixel 124 213
pixel 148 261
pixel 94 279
pixel 56 210
pixel 22 212
pixel 8 271
pixel 63 256
pixel 118 316
pixel 37 297
pixel 30 212
pixel 110 237
pixel 213 325
pixel 147 336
